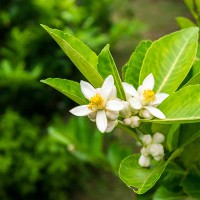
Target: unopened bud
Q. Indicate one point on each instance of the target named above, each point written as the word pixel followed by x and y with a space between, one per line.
pixel 112 115
pixel 145 114
pixel 135 121
pixel 146 140
pixel 144 161
pixel 158 138
pixel 158 158
pixel 156 150
pixel 127 121
pixel 126 112
pixel 144 151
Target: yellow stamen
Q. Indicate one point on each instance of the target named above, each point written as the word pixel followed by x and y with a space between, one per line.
pixel 96 103
pixel 149 96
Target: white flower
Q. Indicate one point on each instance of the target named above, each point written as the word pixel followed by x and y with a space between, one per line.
pixel 144 151
pixel 145 98
pixel 101 100
pixel 158 138
pixel 133 121
pixel 144 161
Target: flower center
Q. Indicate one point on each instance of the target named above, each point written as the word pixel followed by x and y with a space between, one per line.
pixel 96 103
pixel 149 96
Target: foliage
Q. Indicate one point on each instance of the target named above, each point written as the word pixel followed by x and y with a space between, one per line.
pixel 170 59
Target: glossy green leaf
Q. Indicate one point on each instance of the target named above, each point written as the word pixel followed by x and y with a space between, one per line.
pixel 135 63
pixel 196 68
pixel 106 66
pixel 69 88
pixel 181 106
pixel 80 54
pixel 142 179
pixel 163 193
pixel 184 22
pixel 170 59
pixel 172 137
pixel 194 80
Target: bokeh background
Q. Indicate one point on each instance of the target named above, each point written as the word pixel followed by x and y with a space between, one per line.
pixel 45 153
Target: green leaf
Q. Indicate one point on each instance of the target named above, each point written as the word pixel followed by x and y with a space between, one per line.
pixel 191 185
pixel 80 54
pixel 184 22
pixel 163 193
pixel 142 179
pixel 190 4
pixel 196 68
pixel 181 106
pixel 69 88
pixel 124 68
pixel 170 59
pixel 194 80
pixel 106 66
pixel 135 63
pixel 172 137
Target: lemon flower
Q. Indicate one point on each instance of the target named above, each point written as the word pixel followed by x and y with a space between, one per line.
pixel 103 104
pixel 145 100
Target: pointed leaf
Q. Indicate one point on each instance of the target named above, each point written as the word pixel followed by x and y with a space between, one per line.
pixel 135 63
pixel 80 54
pixel 184 22
pixel 170 59
pixel 194 80
pixel 106 66
pixel 69 88
pixel 182 106
pixel 142 179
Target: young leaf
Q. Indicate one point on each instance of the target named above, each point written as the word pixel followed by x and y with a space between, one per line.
pixel 170 59
pixel 80 54
pixel 106 66
pixel 134 65
pixel 194 80
pixel 182 106
pixel 69 88
pixel 142 179
pixel 184 22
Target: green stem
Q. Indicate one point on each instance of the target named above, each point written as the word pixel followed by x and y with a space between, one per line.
pixel 129 131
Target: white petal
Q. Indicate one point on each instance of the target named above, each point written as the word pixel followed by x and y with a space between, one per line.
pixel 135 103
pixel 107 87
pixel 81 110
pixel 155 112
pixel 129 90
pixel 148 82
pixel 101 120
pixel 111 125
pixel 87 90
pixel 114 105
pixel 113 94
pixel 159 98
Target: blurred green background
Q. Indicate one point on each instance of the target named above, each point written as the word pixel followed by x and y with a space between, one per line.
pixel 45 153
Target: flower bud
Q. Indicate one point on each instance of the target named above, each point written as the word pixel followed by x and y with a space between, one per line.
pixel 126 112
pixel 144 161
pixel 135 121
pixel 112 115
pixel 156 150
pixel 145 114
pixel 127 121
pixel 144 151
pixel 158 158
pixel 146 140
pixel 158 138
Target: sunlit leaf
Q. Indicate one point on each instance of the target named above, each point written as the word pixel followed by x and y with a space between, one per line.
pixel 170 59
pixel 106 66
pixel 184 22
pixel 80 54
pixel 69 88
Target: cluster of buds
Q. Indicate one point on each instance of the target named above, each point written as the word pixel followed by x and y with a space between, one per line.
pixel 152 148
